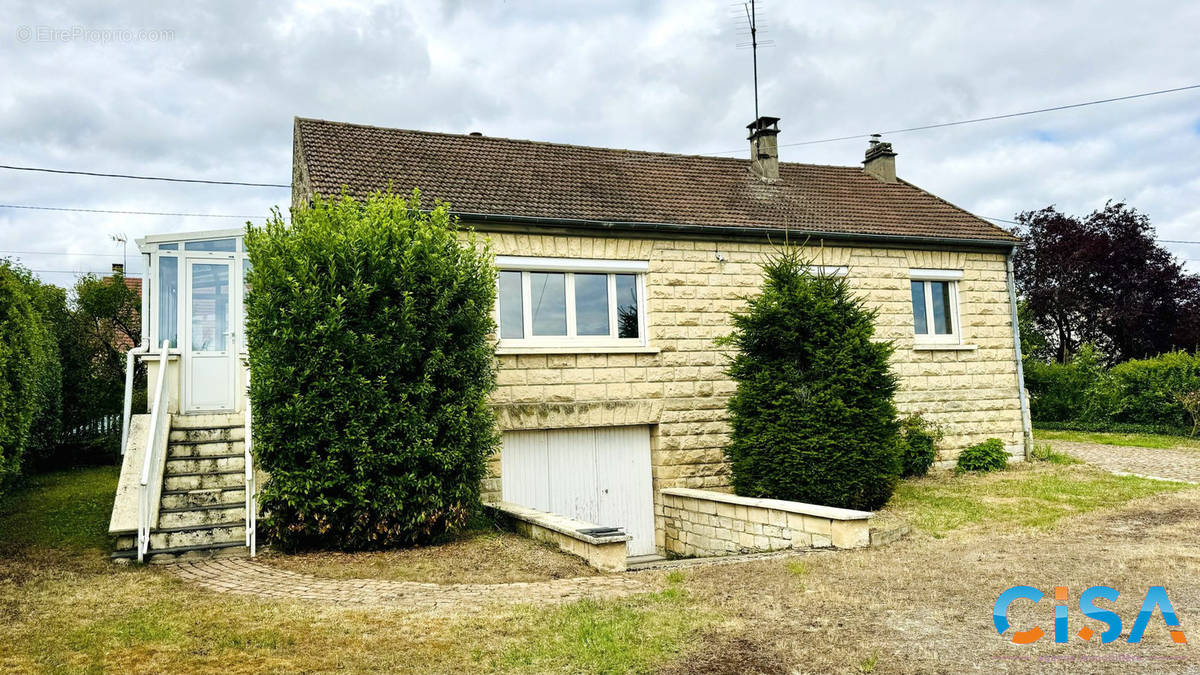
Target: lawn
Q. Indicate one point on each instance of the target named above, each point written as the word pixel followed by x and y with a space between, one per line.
pixel 1105 438
pixel 922 604
pixel 1033 495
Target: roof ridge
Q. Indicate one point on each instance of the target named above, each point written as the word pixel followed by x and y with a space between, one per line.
pixel 577 146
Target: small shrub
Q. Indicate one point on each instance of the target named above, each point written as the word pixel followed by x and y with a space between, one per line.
pixel 1191 403
pixel 1046 453
pixel 986 456
pixel 918 445
pixel 812 416
pixel 368 326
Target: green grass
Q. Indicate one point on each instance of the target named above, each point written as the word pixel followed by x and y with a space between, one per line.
pixel 1033 496
pixel 65 608
pixel 1047 453
pixel 633 635
pixel 1105 438
pixel 62 510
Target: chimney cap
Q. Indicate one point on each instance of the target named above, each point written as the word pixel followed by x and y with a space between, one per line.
pixel 764 126
pixel 475 133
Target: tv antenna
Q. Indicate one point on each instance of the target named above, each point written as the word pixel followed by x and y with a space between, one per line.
pixel 752 27
pixel 121 239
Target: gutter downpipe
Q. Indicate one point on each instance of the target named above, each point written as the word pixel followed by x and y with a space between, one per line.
pixel 1026 425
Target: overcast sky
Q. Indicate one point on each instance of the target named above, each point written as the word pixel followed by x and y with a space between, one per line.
pixel 209 90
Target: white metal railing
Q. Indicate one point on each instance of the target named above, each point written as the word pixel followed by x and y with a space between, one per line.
pixel 153 450
pixel 251 507
pixel 130 361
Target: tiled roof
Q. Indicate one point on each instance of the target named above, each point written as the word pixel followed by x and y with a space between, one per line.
pixel 528 179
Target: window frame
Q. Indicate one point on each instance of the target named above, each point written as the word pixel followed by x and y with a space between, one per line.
pixel 952 278
pixel 569 267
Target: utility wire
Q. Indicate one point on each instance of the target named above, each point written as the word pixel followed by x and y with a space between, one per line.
pixel 127 274
pixel 1163 241
pixel 133 177
pixel 924 127
pixel 990 118
pixel 128 213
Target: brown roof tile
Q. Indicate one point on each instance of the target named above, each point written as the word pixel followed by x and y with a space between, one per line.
pixel 529 179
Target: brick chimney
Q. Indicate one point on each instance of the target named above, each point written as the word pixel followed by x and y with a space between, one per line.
pixel 880 160
pixel 764 148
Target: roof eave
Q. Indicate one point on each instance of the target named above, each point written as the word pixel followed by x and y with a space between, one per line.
pixel 497 222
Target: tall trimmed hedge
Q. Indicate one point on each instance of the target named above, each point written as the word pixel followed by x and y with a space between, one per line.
pixel 812 417
pixel 30 371
pixel 1141 394
pixel 368 325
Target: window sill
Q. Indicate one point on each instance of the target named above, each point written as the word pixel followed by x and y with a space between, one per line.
pixel 946 347
pixel 506 351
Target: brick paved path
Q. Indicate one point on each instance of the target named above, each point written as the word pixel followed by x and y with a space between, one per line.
pixel 1181 465
pixel 248 577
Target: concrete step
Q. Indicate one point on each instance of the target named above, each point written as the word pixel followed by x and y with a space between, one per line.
pixel 203 449
pixel 232 549
pixel 207 435
pixel 204 481
pixel 201 515
pixel 208 534
pixel 183 499
pixel 206 464
pixel 207 421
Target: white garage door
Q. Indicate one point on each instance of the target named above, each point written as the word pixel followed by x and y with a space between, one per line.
pixel 601 475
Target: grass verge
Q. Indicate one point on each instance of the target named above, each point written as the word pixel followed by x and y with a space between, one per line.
pixel 1036 495
pixel 1105 438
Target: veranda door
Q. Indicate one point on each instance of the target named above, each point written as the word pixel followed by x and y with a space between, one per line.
pixel 209 346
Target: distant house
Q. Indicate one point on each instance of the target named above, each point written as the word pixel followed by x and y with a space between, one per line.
pixel 122 341
pixel 617 269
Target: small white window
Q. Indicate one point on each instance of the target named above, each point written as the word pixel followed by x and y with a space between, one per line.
pixel 935 305
pixel 556 302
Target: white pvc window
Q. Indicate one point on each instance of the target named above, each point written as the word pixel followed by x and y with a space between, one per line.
pixel 553 302
pixel 935 305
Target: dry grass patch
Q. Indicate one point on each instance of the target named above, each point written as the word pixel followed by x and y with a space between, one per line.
pixel 477 557
pixel 924 605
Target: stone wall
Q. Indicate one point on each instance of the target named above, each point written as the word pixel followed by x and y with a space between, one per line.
pixel 678 385
pixel 705 523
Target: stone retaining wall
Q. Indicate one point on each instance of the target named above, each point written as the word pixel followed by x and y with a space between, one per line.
pixel 706 523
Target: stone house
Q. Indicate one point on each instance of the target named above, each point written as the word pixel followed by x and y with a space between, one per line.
pixel 618 268
pixel 616 271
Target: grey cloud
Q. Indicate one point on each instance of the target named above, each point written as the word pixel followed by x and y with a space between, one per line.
pixel 218 99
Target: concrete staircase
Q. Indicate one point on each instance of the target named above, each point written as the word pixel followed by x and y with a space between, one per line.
pixel 202 508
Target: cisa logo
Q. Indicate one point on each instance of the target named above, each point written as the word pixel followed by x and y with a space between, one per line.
pixel 1156 596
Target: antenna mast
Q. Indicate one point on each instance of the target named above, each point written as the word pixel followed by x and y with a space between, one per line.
pixel 752 17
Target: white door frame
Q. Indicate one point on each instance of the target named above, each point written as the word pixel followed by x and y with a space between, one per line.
pixel 233 324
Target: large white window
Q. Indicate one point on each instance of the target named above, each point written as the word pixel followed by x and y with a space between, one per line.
pixel 935 305
pixel 563 302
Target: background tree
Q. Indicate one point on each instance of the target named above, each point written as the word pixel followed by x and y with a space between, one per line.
pixel 812 416
pixel 104 324
pixel 1103 279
